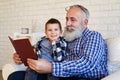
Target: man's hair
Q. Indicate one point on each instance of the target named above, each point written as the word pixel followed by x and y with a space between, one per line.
pixel 84 10
pixel 53 21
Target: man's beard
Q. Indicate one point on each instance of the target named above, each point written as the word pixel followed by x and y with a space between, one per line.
pixel 75 33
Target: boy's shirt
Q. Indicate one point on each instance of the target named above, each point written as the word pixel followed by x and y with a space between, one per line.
pixel 52 51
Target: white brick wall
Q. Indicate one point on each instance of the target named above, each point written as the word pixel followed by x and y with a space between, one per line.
pixel 16 14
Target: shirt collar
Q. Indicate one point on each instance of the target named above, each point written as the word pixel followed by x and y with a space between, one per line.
pixel 85 32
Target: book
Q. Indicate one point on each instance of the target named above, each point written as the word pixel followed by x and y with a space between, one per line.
pixel 24 48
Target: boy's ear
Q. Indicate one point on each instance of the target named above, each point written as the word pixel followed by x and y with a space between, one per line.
pixel 45 34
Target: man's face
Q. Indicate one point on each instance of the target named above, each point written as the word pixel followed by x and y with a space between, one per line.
pixel 74 18
pixel 74 24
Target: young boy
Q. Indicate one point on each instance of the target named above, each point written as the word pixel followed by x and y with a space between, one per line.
pixel 52 48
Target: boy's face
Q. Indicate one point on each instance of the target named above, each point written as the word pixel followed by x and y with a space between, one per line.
pixel 53 32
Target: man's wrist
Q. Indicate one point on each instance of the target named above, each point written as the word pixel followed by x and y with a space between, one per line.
pixel 56 68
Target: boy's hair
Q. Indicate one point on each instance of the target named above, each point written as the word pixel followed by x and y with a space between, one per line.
pixel 53 21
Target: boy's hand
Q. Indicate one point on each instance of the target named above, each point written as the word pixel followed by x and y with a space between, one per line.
pixel 17 59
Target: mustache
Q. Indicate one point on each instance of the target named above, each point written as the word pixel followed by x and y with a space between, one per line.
pixel 70 28
pixel 70 35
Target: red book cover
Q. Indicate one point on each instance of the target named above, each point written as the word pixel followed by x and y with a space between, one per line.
pixel 24 48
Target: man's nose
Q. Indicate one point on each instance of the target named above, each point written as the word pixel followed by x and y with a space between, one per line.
pixel 68 23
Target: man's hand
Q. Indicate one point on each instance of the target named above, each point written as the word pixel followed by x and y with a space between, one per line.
pixel 40 65
pixel 17 59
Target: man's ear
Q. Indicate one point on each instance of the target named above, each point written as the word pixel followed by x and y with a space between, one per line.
pixel 86 22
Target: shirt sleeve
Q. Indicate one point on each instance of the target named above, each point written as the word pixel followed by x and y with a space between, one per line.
pixel 90 57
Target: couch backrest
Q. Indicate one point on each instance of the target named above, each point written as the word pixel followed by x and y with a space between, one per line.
pixel 113 45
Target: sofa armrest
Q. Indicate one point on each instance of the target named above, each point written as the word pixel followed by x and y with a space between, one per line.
pixel 113 76
pixel 10 68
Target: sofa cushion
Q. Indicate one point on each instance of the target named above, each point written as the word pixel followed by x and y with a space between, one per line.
pixel 114 76
pixel 113 53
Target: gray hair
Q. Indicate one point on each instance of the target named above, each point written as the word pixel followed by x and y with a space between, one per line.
pixel 84 10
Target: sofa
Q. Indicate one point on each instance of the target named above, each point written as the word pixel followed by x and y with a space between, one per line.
pixel 113 61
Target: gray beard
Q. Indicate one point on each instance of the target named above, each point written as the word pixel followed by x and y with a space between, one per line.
pixel 70 36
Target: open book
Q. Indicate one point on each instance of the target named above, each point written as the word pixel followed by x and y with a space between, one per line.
pixel 24 49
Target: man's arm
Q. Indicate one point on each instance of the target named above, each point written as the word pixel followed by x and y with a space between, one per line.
pixel 89 58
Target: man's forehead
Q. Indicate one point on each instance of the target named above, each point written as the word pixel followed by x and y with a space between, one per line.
pixel 74 11
pixel 73 14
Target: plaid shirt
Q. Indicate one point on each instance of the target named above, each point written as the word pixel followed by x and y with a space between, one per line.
pixel 86 57
pixel 51 52
pixel 59 49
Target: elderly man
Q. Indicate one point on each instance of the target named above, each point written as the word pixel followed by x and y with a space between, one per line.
pixel 86 57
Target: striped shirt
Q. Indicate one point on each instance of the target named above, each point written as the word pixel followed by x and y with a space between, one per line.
pixel 86 57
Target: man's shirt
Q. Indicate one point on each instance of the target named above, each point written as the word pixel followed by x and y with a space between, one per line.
pixel 86 57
